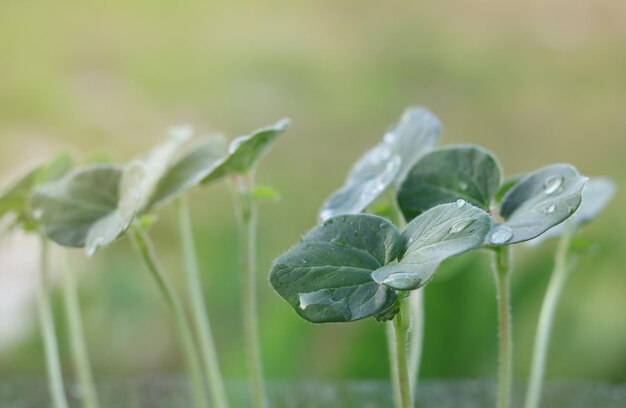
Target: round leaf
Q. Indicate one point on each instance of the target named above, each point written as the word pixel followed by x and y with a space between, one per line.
pixel 439 233
pixel 447 174
pixel 245 151
pixel 327 276
pixel 538 202
pixel 596 194
pixel 386 164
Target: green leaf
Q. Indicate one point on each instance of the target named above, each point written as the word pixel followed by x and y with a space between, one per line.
pixel 386 164
pixel 245 151
pixel 327 276
pixel 447 174
pixel 439 233
pixel 596 194
pixel 16 199
pixel 188 171
pixel 81 209
pixel 538 202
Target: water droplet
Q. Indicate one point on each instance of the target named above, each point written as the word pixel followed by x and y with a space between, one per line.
pixel 552 184
pixel 463 185
pixel 325 215
pixel 550 209
pixel 461 225
pixel 460 202
pixel 411 240
pixel 501 235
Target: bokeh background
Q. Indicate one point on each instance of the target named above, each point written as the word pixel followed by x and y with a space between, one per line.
pixel 536 82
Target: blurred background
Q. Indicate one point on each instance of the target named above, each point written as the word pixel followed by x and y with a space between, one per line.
pixel 536 82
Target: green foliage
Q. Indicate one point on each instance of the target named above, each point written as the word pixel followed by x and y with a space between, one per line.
pixel 386 164
pixel 539 201
pixel 439 233
pixel 345 269
pixel 245 151
pixel 16 198
pixel 447 174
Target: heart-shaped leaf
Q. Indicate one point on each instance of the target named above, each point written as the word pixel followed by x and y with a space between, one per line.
pixel 245 151
pixel 16 198
pixel 447 174
pixel 327 276
pixel 439 233
pixel 538 202
pixel 596 194
pixel 386 164
pixel 188 171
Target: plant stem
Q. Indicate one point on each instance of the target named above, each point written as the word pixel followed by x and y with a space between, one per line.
pixel 53 364
pixel 546 319
pixel 145 249
pixel 77 337
pixel 416 302
pixel 247 221
pixel 198 308
pixel 502 268
pixel 403 394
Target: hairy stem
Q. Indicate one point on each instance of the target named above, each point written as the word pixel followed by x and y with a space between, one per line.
pixel 247 222
pixel 46 320
pixel 502 268
pixel 198 308
pixel 144 247
pixel 416 302
pixel 77 337
pixel 403 394
pixel 546 319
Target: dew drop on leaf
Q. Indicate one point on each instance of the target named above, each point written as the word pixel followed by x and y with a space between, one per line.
pixel 501 235
pixel 552 184
pixel 460 202
pixel 550 209
pixel 461 225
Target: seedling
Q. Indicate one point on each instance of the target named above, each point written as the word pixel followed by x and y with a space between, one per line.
pixel 595 196
pixel 376 176
pixel 239 165
pixel 16 201
pixel 529 207
pixel 96 204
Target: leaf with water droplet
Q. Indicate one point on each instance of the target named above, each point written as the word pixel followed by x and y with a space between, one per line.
pixel 245 151
pixel 435 235
pixel 447 174
pixel 386 164
pixel 16 198
pixel 596 194
pixel 539 201
pixel 327 276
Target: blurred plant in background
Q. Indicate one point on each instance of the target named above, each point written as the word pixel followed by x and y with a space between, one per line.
pixel 537 82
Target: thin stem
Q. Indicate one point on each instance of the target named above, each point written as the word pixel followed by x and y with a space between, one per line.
pixel 198 309
pixel 144 247
pixel 46 320
pixel 77 337
pixel 402 387
pixel 416 302
pixel 502 268
pixel 546 319
pixel 247 222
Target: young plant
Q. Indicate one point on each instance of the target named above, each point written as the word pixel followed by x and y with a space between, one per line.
pixel 240 164
pixel 356 266
pixel 96 204
pixel 16 201
pixel 595 196
pixel 529 207
pixel 376 175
